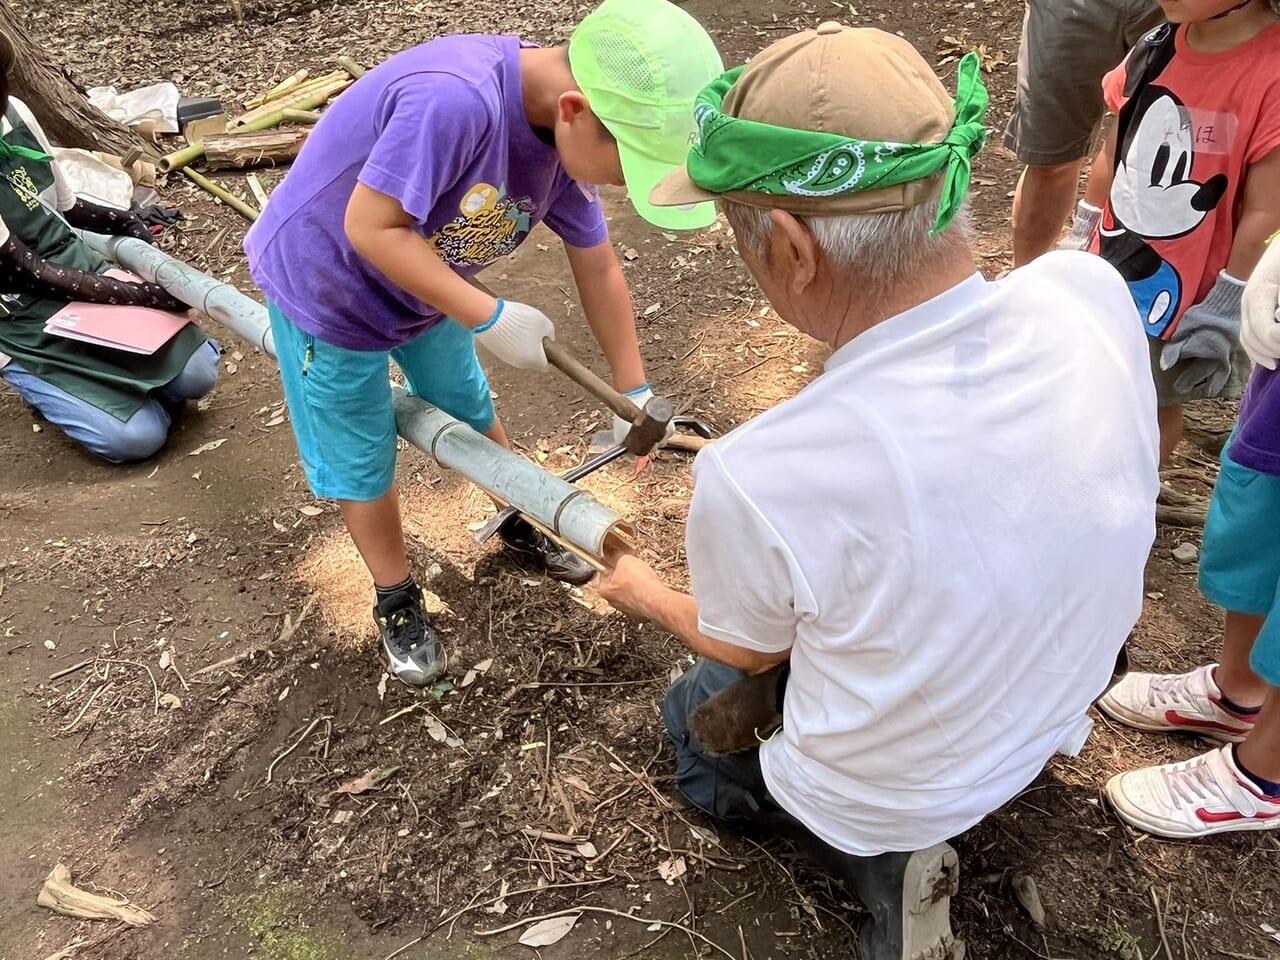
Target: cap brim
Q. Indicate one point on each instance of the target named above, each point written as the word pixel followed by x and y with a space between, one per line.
pixel 645 177
pixel 677 189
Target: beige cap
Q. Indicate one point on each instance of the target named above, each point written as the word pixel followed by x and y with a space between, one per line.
pixel 855 82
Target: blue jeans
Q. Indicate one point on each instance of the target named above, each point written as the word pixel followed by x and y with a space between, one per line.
pixel 118 441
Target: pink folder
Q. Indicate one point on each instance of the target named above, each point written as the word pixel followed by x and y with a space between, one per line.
pixel 132 329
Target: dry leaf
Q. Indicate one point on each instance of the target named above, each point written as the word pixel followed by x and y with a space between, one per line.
pixel 587 850
pixel 547 932
pixel 672 870
pixel 483 666
pixel 468 679
pixel 170 701
pixel 382 687
pixel 363 784
pixel 166 658
pixel 206 447
pixel 311 510
pixel 436 730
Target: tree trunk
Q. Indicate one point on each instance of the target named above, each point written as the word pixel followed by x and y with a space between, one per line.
pixel 239 150
pixel 62 110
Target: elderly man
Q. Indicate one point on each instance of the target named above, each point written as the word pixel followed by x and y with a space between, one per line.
pixel 930 557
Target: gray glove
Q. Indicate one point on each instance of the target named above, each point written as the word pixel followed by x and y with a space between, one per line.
pixel 1205 338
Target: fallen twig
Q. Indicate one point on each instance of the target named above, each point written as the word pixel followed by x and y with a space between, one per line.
pixel 66 672
pixel 271 768
pixel 87 704
pixel 1164 940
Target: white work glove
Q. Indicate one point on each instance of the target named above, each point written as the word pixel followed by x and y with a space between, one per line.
pixel 639 396
pixel 514 335
pixel 1260 309
pixel 1082 227
pixel 1205 338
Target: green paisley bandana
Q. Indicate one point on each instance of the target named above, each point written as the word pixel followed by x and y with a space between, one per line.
pixel 732 153
pixel 14 150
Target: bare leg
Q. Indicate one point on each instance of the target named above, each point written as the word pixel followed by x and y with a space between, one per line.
pixel 1235 677
pixel 1041 207
pixel 1170 432
pixel 375 529
pixel 1260 751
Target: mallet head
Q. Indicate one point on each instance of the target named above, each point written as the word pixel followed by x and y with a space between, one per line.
pixel 650 428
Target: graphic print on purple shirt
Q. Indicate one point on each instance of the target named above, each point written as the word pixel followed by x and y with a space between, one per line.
pixel 441 128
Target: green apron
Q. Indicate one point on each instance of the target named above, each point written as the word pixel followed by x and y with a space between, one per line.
pixel 115 381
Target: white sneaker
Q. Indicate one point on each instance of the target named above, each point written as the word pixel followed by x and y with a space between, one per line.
pixel 1186 702
pixel 1196 798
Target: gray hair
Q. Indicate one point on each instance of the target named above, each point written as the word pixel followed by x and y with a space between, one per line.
pixel 879 249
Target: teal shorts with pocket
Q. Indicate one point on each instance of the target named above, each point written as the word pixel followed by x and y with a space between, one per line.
pixel 1240 559
pixel 340 401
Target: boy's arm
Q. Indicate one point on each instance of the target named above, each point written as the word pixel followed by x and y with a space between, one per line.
pixel 1259 215
pixel 610 312
pixel 382 233
pixel 1102 172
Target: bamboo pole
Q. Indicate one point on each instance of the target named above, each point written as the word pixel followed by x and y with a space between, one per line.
pixel 353 68
pixel 230 199
pixel 221 301
pixel 279 90
pixel 568 513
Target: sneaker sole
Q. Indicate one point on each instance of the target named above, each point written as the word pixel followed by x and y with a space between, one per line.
pixel 932 879
pixel 1138 721
pixel 1138 818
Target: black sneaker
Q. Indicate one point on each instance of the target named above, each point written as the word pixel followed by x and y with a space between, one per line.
pixel 413 650
pixel 533 546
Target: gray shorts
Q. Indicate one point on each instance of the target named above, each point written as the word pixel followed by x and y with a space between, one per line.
pixel 1068 46
pixel 1168 395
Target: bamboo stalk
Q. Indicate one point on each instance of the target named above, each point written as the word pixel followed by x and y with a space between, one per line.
pixel 230 199
pixel 353 68
pixel 296 100
pixel 255 187
pixel 279 90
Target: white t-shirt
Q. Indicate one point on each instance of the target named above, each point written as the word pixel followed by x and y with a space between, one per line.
pixel 948 529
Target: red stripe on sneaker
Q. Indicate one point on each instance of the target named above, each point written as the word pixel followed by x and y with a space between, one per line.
pixel 1246 718
pixel 1207 816
pixel 1177 720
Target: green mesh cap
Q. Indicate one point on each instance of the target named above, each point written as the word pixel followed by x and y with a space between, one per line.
pixel 641 65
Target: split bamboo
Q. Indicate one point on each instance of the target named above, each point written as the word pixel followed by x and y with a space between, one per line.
pixel 230 199
pixel 268 148
pixel 303 98
pixel 279 90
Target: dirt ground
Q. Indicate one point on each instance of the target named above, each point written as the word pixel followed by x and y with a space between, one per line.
pixel 219 680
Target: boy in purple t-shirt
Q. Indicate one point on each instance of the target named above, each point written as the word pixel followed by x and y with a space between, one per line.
pixel 430 168
pixel 1237 786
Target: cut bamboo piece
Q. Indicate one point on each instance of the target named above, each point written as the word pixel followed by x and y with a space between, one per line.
pixel 279 90
pixel 60 896
pixel 259 194
pixel 300 116
pixel 268 148
pixel 230 199
pixel 353 68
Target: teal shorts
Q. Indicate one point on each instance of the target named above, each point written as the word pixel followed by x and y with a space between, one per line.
pixel 340 401
pixel 1240 560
